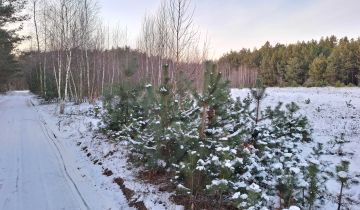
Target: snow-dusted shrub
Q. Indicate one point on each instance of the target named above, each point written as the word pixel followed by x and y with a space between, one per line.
pixel 123 109
pixel 231 150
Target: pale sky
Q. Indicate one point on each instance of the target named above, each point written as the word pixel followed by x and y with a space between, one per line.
pixel 234 24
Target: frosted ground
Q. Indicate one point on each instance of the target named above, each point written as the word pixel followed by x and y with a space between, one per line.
pixel 331 111
pixel 39 169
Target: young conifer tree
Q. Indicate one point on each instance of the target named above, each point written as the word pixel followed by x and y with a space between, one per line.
pixel 123 105
pixel 214 99
pixel 316 179
pixel 258 94
pixel 342 171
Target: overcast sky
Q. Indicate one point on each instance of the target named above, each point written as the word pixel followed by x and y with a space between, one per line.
pixel 234 24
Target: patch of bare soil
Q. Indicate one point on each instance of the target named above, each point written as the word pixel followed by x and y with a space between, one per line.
pixel 129 195
pixel 107 172
pixel 200 202
pixel 160 178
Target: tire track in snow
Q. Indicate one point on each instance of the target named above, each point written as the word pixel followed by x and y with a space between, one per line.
pixel 46 131
pixel 39 168
pixel 8 182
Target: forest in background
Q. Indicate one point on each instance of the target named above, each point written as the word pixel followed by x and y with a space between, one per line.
pixel 75 56
pixel 327 62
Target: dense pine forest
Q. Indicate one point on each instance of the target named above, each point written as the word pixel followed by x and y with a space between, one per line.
pixel 330 61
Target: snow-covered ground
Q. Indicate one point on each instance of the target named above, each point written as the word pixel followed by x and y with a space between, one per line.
pixel 51 161
pixel 38 170
pixel 330 111
pixel 95 153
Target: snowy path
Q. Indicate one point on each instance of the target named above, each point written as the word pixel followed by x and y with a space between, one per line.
pixel 35 170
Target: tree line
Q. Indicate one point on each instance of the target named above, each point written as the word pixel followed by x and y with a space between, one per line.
pixel 76 57
pixel 329 61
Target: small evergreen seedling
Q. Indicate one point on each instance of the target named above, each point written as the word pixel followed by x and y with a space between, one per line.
pixel 343 177
pixel 258 94
pixel 340 142
pixel 316 180
pixel 313 170
pixel 349 104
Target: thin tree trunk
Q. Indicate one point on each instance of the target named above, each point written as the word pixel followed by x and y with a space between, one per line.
pixel 65 98
pixel 81 78
pixel 76 96
pixel 68 65
pixel 92 96
pixel 340 196
pixel 113 74
pixel 103 74
pixel 44 72
pixel 88 72
pixel 56 78
pixel 38 47
pixel 59 75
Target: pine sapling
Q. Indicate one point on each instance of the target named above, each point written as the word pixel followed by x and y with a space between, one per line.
pixel 316 179
pixel 340 142
pixel 343 177
pixel 211 84
pixel 258 94
pixel 165 92
pixel 313 171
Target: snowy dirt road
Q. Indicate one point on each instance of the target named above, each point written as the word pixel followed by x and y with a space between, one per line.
pixel 36 171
